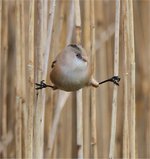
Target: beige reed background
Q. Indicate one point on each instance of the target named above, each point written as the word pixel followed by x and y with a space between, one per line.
pixel 107 122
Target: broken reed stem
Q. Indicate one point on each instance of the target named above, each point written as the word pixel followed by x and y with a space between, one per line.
pixel 132 79
pixel 4 71
pixel 30 70
pixel 125 48
pixel 79 93
pixel 115 90
pixel 93 90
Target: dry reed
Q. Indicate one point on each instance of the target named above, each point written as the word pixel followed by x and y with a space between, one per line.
pixel 23 79
pixel 4 49
pixel 86 92
pixel 132 79
pixel 30 79
pixel 79 93
pixel 115 90
pixel 38 143
pixel 125 48
pixel 18 126
pixel 93 91
pixel 49 123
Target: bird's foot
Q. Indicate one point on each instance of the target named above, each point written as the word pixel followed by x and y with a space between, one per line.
pixel 42 85
pixel 114 79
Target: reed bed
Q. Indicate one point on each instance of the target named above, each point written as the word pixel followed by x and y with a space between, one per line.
pixel 107 122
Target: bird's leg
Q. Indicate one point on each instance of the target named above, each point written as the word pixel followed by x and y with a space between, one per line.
pixel 42 85
pixel 114 79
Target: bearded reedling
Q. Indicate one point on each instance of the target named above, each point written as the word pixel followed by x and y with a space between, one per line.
pixel 72 70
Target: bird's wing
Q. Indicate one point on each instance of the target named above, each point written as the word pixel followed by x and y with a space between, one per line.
pixel 53 64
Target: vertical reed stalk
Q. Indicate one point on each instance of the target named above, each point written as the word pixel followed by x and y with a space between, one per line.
pixel 132 79
pixel 86 25
pixel 77 21
pixel 61 99
pixel 41 105
pixel 79 93
pixel 0 53
pixel 1 118
pixel 62 96
pixel 79 124
pixel 4 49
pixel 115 90
pixel 148 115
pixel 18 132
pixel 45 16
pixel 125 48
pixel 71 109
pixel 49 38
pixel 70 22
pixel 38 140
pixel 23 76
pixel 30 70
pixel 86 92
pixel 93 91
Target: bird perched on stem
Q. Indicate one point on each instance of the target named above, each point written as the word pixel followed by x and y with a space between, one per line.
pixel 72 70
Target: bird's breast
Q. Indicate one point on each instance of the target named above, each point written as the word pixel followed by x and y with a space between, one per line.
pixel 70 79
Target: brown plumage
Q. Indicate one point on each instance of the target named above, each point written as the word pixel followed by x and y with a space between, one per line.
pixel 72 70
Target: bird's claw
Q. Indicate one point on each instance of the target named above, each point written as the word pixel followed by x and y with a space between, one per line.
pixel 40 85
pixel 115 80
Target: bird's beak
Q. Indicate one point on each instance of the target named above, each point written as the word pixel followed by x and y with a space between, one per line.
pixel 84 59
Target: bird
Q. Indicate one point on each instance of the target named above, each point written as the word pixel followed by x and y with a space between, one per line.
pixel 72 70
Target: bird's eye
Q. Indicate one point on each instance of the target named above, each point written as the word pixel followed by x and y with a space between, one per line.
pixel 79 56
